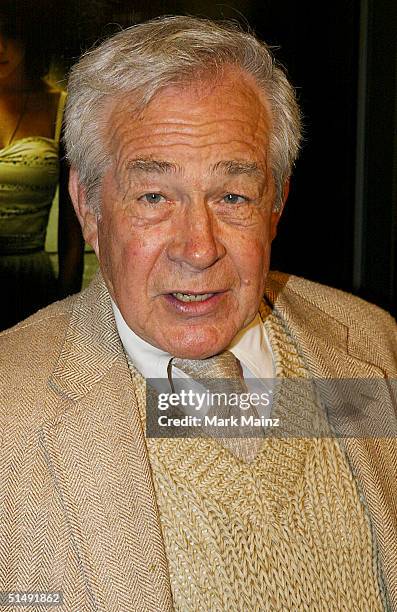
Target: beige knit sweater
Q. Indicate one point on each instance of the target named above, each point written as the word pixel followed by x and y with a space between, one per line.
pixel 288 531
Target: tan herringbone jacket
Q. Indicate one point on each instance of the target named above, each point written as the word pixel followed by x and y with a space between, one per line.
pixel 77 506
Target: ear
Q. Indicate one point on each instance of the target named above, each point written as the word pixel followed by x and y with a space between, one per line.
pixel 86 216
pixel 275 215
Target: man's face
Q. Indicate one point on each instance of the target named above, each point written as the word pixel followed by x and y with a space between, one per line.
pixel 186 224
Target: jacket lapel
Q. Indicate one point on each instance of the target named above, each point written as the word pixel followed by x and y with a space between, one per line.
pixel 95 449
pixel 331 350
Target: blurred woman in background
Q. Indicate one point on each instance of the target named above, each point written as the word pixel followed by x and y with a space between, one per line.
pixel 30 168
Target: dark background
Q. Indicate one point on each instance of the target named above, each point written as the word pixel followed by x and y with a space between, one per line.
pixel 339 225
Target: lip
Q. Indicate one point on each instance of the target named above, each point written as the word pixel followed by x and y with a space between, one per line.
pixel 187 292
pixel 194 308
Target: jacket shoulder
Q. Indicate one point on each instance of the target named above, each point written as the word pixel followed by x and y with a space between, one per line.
pixel 40 331
pixel 341 305
pixel 313 304
pixel 29 351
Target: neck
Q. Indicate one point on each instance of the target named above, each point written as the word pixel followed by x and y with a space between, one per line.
pixel 18 82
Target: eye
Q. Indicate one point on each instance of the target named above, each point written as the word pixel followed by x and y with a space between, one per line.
pixel 234 198
pixel 152 198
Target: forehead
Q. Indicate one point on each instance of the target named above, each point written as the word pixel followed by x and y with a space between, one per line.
pixel 195 120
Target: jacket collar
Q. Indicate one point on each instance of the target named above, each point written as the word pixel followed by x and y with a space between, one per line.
pixel 91 346
pixel 317 329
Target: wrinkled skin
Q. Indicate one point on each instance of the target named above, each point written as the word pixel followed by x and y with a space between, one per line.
pixel 187 225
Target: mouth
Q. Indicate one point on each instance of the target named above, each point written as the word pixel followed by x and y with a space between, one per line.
pixel 192 297
pixel 194 303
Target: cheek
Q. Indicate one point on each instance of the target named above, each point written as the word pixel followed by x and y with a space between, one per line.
pixel 253 272
pixel 112 247
pixel 128 254
pixel 253 262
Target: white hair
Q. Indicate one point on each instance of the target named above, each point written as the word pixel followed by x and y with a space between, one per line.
pixel 150 56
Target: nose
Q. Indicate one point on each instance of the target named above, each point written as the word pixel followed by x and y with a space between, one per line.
pixel 195 243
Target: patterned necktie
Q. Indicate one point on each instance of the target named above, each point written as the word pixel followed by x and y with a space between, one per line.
pixel 222 373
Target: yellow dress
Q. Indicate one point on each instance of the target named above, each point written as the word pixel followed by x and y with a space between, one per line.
pixel 29 173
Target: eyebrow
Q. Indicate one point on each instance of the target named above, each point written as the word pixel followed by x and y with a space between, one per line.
pixel 233 167
pixel 229 167
pixel 152 166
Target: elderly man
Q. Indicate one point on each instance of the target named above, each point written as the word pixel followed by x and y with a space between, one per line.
pixel 181 134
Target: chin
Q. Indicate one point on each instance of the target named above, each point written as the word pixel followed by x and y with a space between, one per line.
pixel 199 347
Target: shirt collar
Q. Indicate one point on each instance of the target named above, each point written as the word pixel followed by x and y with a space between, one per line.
pixel 251 346
pixel 151 361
